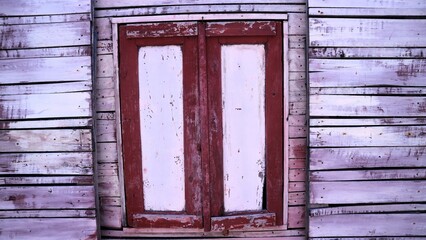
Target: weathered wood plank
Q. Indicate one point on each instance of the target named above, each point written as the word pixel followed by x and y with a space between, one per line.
pixel 296 163
pixel 107 169
pixel 79 180
pixel 34 35
pixel 296 187
pixel 367 72
pixel 35 70
pixel 110 216
pixel 368 238
pixel 297 175
pixel 296 198
pixel 297 108
pixel 15 20
pixel 296 41
pixel 65 87
pixel 32 106
pixel 104 68
pixel 350 158
pixel 297 148
pixel 368 136
pixel 347 32
pixel 47 213
pixel 363 11
pixel 297 24
pixel 46 163
pixel 296 217
pixel 106 131
pixel 45 140
pixel 52 197
pixel 394 4
pixel 297 132
pixel 34 7
pixel 108 186
pixel 106 152
pixel 355 192
pixel 352 52
pixel 362 106
pixel 48 228
pixel 131 3
pixel 387 174
pixel 104 47
pixel 46 52
pixel 368 225
pixel 179 9
pixel 385 208
pixel 417 91
pixel 48 123
pixel 327 122
pixel 103 28
pixel 297 120
pixel 269 233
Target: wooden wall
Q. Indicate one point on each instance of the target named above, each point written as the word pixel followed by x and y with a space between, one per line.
pixel 367 86
pixel 107 157
pixel 46 171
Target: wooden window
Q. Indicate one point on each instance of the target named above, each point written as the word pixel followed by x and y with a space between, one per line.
pixel 202 124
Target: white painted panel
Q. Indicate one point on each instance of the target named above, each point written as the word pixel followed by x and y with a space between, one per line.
pixel 243 91
pixel 161 114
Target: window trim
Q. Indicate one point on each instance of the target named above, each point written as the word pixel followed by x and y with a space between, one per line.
pixel 204 17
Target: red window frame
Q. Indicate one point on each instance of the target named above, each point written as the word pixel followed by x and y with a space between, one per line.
pixel 202 121
pixel 131 38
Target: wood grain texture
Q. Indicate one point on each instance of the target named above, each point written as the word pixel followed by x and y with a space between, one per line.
pixel 210 8
pixel 373 157
pixel 351 175
pixel 367 106
pixel 347 32
pixel 34 7
pixel 326 122
pixel 46 124
pixel 33 106
pixel 45 140
pixel 367 72
pixel 130 3
pixel 37 70
pixel 51 197
pixel 46 164
pixel 392 4
pixel 356 192
pixel 365 11
pixel 366 52
pixel 414 91
pixel 373 225
pixel 368 136
pixel 48 228
pixel 36 35
pixel 20 20
pixel 45 52
pixel 385 208
pixel 63 180
pixel 49 213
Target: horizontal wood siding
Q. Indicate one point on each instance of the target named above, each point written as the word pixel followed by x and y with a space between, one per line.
pixel 110 188
pixel 367 119
pixel 47 188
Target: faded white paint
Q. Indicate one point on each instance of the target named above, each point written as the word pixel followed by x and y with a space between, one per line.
pixel 243 102
pixel 161 114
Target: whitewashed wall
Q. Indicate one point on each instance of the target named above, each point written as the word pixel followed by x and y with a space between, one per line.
pixel 46 171
pixel 109 185
pixel 367 86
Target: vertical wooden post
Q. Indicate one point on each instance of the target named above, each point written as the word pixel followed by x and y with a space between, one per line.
pixel 204 113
